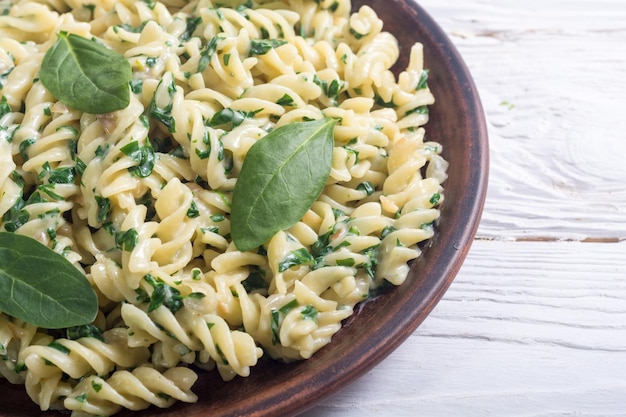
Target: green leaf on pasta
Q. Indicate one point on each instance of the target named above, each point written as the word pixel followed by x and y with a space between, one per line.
pixel 86 75
pixel 281 177
pixel 45 288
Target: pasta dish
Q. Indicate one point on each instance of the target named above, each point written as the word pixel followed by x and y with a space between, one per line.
pixel 135 182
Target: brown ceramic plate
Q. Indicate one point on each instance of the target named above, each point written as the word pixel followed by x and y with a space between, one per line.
pixel 381 325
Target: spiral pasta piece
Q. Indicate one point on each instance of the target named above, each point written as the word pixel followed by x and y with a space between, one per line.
pixel 15 337
pixel 232 350
pixel 49 364
pixel 84 356
pixel 134 390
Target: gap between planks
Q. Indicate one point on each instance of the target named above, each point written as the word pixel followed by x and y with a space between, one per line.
pixel 554 239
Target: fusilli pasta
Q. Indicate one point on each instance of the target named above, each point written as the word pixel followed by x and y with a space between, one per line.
pixel 139 199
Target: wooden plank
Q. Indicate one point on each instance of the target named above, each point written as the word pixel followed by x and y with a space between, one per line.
pixel 550 75
pixel 535 323
pixel 531 15
pixel 526 329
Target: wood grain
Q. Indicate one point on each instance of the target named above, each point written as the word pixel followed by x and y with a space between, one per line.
pixel 550 75
pixel 535 323
pixel 527 329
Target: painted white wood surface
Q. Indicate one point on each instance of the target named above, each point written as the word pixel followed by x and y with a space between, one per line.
pixel 535 323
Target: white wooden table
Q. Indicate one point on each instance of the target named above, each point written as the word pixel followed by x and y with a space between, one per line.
pixel 535 322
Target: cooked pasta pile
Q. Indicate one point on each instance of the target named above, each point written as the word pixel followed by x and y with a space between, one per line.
pixel 200 98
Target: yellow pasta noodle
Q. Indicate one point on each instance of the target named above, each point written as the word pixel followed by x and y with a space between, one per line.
pixel 139 199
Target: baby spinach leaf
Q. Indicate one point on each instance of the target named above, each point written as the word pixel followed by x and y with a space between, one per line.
pixel 281 177
pixel 41 287
pixel 86 75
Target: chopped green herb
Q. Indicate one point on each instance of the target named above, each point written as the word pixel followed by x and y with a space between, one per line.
pixel 207 52
pixel 221 354
pixel 346 262
pixel 58 346
pixel 96 385
pixel 102 150
pixel 337 213
pixel 196 274
pixel 4 106
pixel 127 240
pixel 104 208
pixel 23 148
pixel 295 258
pixel 418 110
pixel 143 155
pixel 427 226
pixel 286 100
pixel 4 76
pixel 192 211
pixel 332 89
pixel 192 25
pixel 15 217
pixel 20 367
pixel 148 201
pixel 356 34
pixel 218 218
pixel 151 61
pixel 263 46
pixel 256 280
pixel 382 103
pixel 288 307
pixel 386 231
pixel 62 175
pixel 310 313
pixel 128 28
pixel 80 166
pixel 164 114
pixel 367 187
pixel 81 398
pixel 136 86
pixel 196 295
pixel 423 81
pixel 372 260
pixel 230 116
pixel 87 330
pixel 163 294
